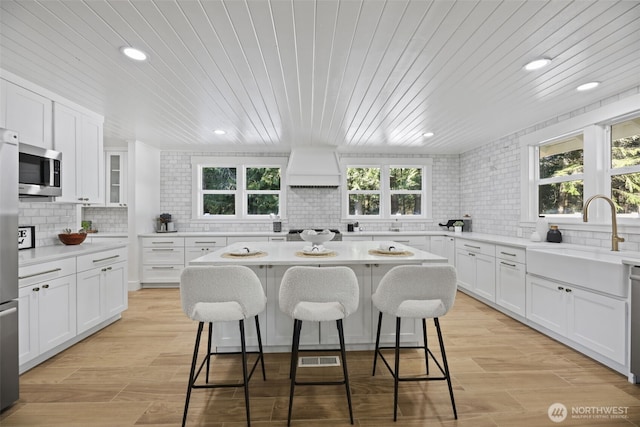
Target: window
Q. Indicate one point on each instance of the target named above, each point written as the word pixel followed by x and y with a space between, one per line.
pixel 560 168
pixel 598 153
pixel 625 166
pixel 383 189
pixel 237 188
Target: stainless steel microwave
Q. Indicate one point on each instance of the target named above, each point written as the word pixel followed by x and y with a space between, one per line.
pixel 39 172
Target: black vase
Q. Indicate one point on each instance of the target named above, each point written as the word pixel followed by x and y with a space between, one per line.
pixel 554 235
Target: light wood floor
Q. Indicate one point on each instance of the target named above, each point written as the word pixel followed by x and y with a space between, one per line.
pixel 135 372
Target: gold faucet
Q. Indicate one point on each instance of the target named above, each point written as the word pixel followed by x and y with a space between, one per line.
pixel 614 223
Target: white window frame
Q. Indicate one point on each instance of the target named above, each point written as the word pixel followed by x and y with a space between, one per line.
pixel 594 125
pixel 611 171
pixel 553 179
pixel 385 164
pixel 241 193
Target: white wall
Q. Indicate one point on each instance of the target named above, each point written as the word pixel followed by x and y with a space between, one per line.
pixel 490 182
pixel 306 207
pixel 143 200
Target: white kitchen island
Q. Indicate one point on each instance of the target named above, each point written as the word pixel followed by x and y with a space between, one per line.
pixel 277 328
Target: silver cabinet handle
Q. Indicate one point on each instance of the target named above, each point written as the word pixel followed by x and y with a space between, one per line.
pixel 162 243
pixel 402 241
pixel 162 250
pixel 205 243
pixel 107 258
pixel 507 253
pixel 473 247
pixel 45 286
pixel 107 269
pixel 568 290
pixel 507 264
pixel 38 274
pixel 36 289
pixel 8 312
pixel 560 288
pixel 162 268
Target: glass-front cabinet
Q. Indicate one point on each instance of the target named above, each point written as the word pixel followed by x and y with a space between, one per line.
pixel 116 167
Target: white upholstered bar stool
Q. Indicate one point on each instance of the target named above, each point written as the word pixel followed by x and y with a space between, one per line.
pixel 220 294
pixel 318 294
pixel 416 292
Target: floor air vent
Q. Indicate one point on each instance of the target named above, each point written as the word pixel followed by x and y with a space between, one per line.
pixel 315 361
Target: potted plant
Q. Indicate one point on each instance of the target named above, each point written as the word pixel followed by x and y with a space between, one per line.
pixel 457 226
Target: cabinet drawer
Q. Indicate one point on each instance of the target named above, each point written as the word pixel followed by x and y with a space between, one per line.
pixel 236 239
pixel 509 253
pixel 204 241
pixel 355 238
pixel 46 271
pixel 415 241
pixel 152 242
pixel 100 259
pixel 476 247
pixel 161 273
pixel 163 256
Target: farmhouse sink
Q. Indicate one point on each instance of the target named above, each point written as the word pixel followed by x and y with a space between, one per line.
pixel 592 268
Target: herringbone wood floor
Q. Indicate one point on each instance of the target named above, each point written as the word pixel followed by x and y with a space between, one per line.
pixel 135 371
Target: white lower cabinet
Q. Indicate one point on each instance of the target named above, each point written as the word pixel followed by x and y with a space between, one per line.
pixel 195 247
pixel 410 329
pixel 101 288
pixel 47 316
pixel 60 300
pixel 443 246
pixel 414 241
pixel 227 334
pixel 510 279
pixel 592 320
pixel 475 263
pixel 162 259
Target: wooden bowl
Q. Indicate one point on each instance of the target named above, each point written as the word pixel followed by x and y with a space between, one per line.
pixel 72 238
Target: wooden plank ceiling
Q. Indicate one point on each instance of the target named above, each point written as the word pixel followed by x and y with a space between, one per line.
pixel 361 75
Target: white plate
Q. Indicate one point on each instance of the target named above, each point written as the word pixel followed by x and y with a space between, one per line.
pixel 245 252
pixel 316 252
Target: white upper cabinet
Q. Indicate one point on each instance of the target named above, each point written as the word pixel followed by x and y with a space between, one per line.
pixel 79 138
pixel 116 178
pixel 27 113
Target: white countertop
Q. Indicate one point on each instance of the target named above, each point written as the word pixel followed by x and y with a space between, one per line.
pixel 55 252
pixel 284 253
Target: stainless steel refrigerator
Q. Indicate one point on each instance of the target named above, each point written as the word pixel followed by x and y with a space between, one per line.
pixel 8 268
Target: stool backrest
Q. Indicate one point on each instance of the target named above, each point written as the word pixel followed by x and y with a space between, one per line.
pixel 203 284
pixel 417 282
pixel 319 284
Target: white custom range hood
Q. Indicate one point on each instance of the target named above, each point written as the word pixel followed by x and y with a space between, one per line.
pixel 313 167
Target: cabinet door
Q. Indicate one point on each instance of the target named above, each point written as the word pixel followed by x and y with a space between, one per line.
pixel 27 113
pixel 89 299
pixel 227 334
pixel 90 168
pixel 115 289
pixel 485 283
pixel 357 327
pixel 28 338
pixel 510 286
pixel 436 245
pixel 466 267
pixel 57 312
pixel 410 329
pixel 67 134
pixel 546 304
pixel 279 324
pixel 116 178
pixel 598 322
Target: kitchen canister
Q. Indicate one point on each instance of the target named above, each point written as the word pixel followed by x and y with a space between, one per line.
pixel 542 226
pixel 554 235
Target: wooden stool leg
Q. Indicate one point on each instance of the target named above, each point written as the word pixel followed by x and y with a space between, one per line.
pixel 192 373
pixel 343 353
pixel 396 377
pixel 245 375
pixel 446 366
pixel 297 326
pixel 375 353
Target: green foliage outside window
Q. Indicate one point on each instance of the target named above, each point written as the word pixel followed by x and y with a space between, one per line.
pixel 625 188
pixel 219 178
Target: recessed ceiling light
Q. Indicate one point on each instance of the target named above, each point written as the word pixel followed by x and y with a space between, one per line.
pixel 588 86
pixel 428 134
pixel 219 132
pixel 134 53
pixel 537 64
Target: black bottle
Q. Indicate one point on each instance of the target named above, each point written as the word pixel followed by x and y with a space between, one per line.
pixel 554 235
